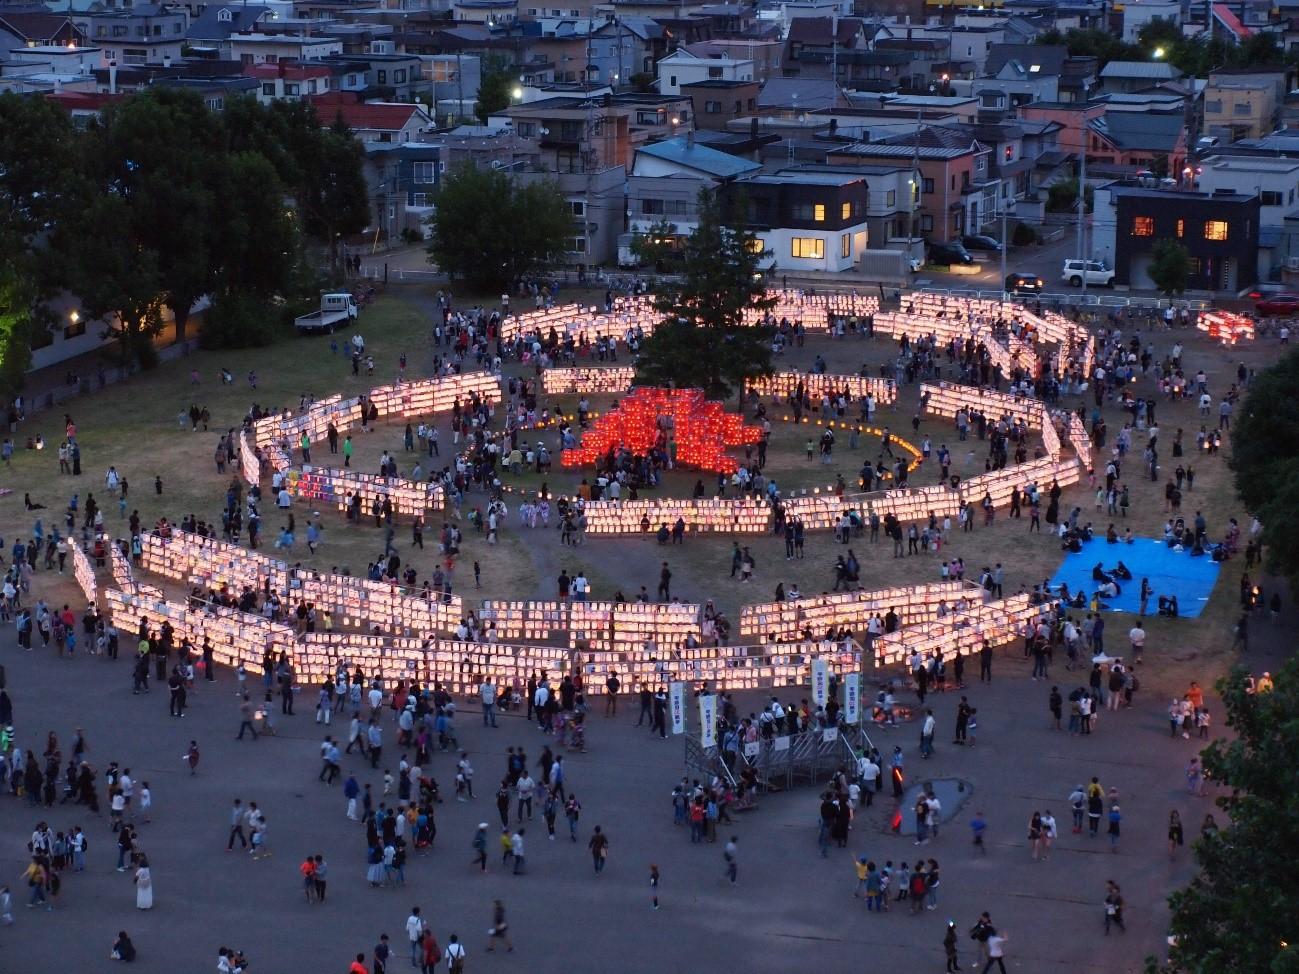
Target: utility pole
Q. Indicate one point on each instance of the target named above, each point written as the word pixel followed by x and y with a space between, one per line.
pixel 1005 207
pixel 915 183
pixel 1082 196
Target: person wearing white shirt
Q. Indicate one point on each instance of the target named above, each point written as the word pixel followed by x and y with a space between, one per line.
pixel 455 955
pixel 415 934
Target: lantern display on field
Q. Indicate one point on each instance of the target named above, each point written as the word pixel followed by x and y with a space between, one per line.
pixel 652 418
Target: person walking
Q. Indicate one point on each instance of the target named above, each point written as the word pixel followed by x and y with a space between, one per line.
pixel 480 847
pixel 499 929
pixel 1175 833
pixel 1113 907
pixel 599 846
pixel 455 955
pixel 237 826
pixel 730 856
pixel 996 952
pixel 415 934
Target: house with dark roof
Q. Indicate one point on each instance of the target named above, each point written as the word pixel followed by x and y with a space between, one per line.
pixel 1017 74
pixel 1134 141
pixel 212 28
pixel 1124 77
pixel 797 95
pixel 958 193
pixel 376 121
pixel 36 29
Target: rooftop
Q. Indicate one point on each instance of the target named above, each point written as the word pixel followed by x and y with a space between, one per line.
pixel 806 177
pixel 682 151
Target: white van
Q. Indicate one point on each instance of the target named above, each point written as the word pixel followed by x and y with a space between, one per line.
pixel 1096 272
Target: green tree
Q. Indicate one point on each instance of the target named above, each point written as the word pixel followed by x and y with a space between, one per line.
pixel 703 340
pixel 1265 461
pixel 490 230
pixel 115 279
pixel 1241 911
pixel 38 183
pixel 161 153
pixel 655 246
pixel 495 85
pixel 1170 266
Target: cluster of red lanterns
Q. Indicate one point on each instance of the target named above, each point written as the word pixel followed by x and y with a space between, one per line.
pixel 701 429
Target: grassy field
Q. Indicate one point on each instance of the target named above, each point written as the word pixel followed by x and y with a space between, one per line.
pixel 135 427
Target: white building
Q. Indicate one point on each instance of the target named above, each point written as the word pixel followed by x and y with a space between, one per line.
pixel 683 68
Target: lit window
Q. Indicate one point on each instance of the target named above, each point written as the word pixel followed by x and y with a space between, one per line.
pixel 1181 227
pixel 1143 226
pixel 1215 230
pixel 845 245
pixel 818 213
pixel 847 211
pixel 756 246
pixel 808 247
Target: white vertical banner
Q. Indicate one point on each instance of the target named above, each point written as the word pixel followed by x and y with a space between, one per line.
pixel 851 698
pixel 820 681
pixel 708 720
pixel 677 701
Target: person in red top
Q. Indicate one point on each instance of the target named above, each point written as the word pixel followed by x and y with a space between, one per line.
pixel 358 965
pixel 431 952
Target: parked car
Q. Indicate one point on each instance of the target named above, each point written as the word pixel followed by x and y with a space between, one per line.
pixel 1096 271
pixel 981 241
pixel 1024 284
pixel 949 253
pixel 1278 304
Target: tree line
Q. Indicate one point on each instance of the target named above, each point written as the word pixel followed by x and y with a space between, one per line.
pixel 160 202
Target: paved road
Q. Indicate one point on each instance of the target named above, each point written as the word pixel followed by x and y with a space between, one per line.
pixel 789 904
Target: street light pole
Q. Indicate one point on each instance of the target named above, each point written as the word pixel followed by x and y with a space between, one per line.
pixel 1082 198
pixel 1004 208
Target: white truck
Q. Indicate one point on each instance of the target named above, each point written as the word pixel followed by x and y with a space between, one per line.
pixel 336 309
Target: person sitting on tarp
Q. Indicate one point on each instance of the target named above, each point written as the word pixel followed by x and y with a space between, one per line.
pixel 1069 542
pixel 1197 547
pixel 1111 535
pixel 1099 574
pixel 1110 590
pixel 1123 572
pixel 1219 553
pixel 1168 606
pixel 1077 600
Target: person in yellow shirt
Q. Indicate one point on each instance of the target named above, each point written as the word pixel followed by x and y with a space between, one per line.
pixel 35 876
pixel 860 865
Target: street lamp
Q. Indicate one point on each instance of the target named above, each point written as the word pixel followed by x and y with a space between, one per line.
pixel 1159 53
pixel 517 93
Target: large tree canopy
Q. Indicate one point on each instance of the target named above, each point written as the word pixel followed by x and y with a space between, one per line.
pixel 703 340
pixel 160 203
pixel 1241 911
pixel 1265 460
pixel 490 230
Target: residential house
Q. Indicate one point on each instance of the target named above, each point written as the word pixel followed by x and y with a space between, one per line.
pixel 793 97
pixel 50 67
pixel 1129 141
pixel 766 53
pixel 575 135
pixel 820 35
pixel 259 48
pixel 1225 24
pixel 1124 77
pixel 211 30
pixel 144 34
pixel 390 77
pixel 19 29
pixel 1240 106
pixel 957 193
pixel 376 121
pixel 214 91
pixel 682 67
pixel 1138 13
pixel 1220 231
pixel 1017 74
pixel 970 44
pixel 716 103
pixel 490 13
pixel 289 80
pixel 656 116
pixel 1276 182
pixel 402 178
pixel 807 219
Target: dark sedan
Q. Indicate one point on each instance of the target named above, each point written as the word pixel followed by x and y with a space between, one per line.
pixel 1024 284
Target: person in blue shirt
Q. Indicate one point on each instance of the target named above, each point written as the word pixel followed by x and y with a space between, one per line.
pixel 979 825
